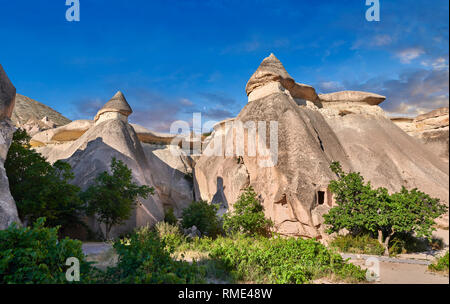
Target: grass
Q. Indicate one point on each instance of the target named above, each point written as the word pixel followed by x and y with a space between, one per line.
pixel 363 244
pixel 400 244
pixel 243 259
pixel 441 265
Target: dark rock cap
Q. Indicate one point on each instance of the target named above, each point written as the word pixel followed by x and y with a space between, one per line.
pixel 117 103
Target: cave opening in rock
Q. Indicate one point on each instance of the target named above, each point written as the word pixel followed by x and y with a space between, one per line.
pixel 320 197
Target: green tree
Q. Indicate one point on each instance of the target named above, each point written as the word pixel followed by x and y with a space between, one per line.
pixel 361 209
pixel 247 216
pixel 112 197
pixel 203 216
pixel 41 189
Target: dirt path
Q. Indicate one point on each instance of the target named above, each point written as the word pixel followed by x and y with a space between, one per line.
pixel 405 273
pixel 400 273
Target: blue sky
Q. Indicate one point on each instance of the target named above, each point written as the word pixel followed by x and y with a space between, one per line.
pixel 172 58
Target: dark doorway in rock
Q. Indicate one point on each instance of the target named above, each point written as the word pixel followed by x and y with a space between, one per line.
pixel 321 197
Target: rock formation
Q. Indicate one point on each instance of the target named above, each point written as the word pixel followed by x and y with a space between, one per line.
pixel 430 128
pixel 313 131
pixel 8 210
pixel 89 147
pixel 34 116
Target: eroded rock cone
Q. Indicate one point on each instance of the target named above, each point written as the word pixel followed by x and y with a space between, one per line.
pixel 348 127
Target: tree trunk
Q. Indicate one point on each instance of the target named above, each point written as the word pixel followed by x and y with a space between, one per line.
pixel 107 229
pixel 385 243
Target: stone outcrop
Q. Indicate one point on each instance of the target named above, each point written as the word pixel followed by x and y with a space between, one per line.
pixel 89 147
pixel 116 108
pixel 432 129
pixel 8 210
pixel 271 76
pixel 34 116
pixel 352 97
pixel 348 127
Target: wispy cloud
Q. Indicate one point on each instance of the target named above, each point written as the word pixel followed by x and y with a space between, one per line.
pixel 440 63
pixel 409 54
pixel 414 92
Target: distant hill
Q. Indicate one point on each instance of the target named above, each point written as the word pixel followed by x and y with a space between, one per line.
pixel 35 116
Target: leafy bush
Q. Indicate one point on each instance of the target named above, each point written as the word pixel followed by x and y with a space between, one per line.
pixel 362 209
pixel 145 258
pixel 281 260
pixel 441 264
pixel 41 189
pixel 170 235
pixel 112 197
pixel 204 217
pixel 364 243
pixel 35 255
pixel 170 218
pixel 247 216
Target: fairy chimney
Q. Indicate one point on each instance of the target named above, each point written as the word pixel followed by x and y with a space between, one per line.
pixel 116 108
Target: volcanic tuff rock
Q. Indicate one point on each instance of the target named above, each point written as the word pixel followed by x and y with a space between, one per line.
pixel 117 106
pixel 89 147
pixel 8 210
pixel 345 126
pixel 272 76
pixel 34 116
pixel 352 96
pixel 432 129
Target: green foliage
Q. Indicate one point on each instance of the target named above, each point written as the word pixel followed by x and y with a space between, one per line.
pixel 363 243
pixel 35 255
pixel 204 217
pixel 408 243
pixel 281 260
pixel 40 189
pixel 247 216
pixel 170 235
pixel 362 209
pixel 145 259
pixel 170 218
pixel 112 197
pixel 441 264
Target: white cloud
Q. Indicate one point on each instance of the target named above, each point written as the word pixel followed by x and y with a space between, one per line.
pixel 186 102
pixel 380 40
pixel 407 55
pixel 440 63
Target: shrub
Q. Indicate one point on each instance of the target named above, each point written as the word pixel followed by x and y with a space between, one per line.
pixel 247 216
pixel 112 197
pixel 170 235
pixel 203 216
pixel 281 260
pixel 41 189
pixel 144 258
pixel 365 244
pixel 170 218
pixel 441 264
pixel 362 209
pixel 35 255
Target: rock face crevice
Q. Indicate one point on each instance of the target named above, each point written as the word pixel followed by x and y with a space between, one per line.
pixel 8 209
